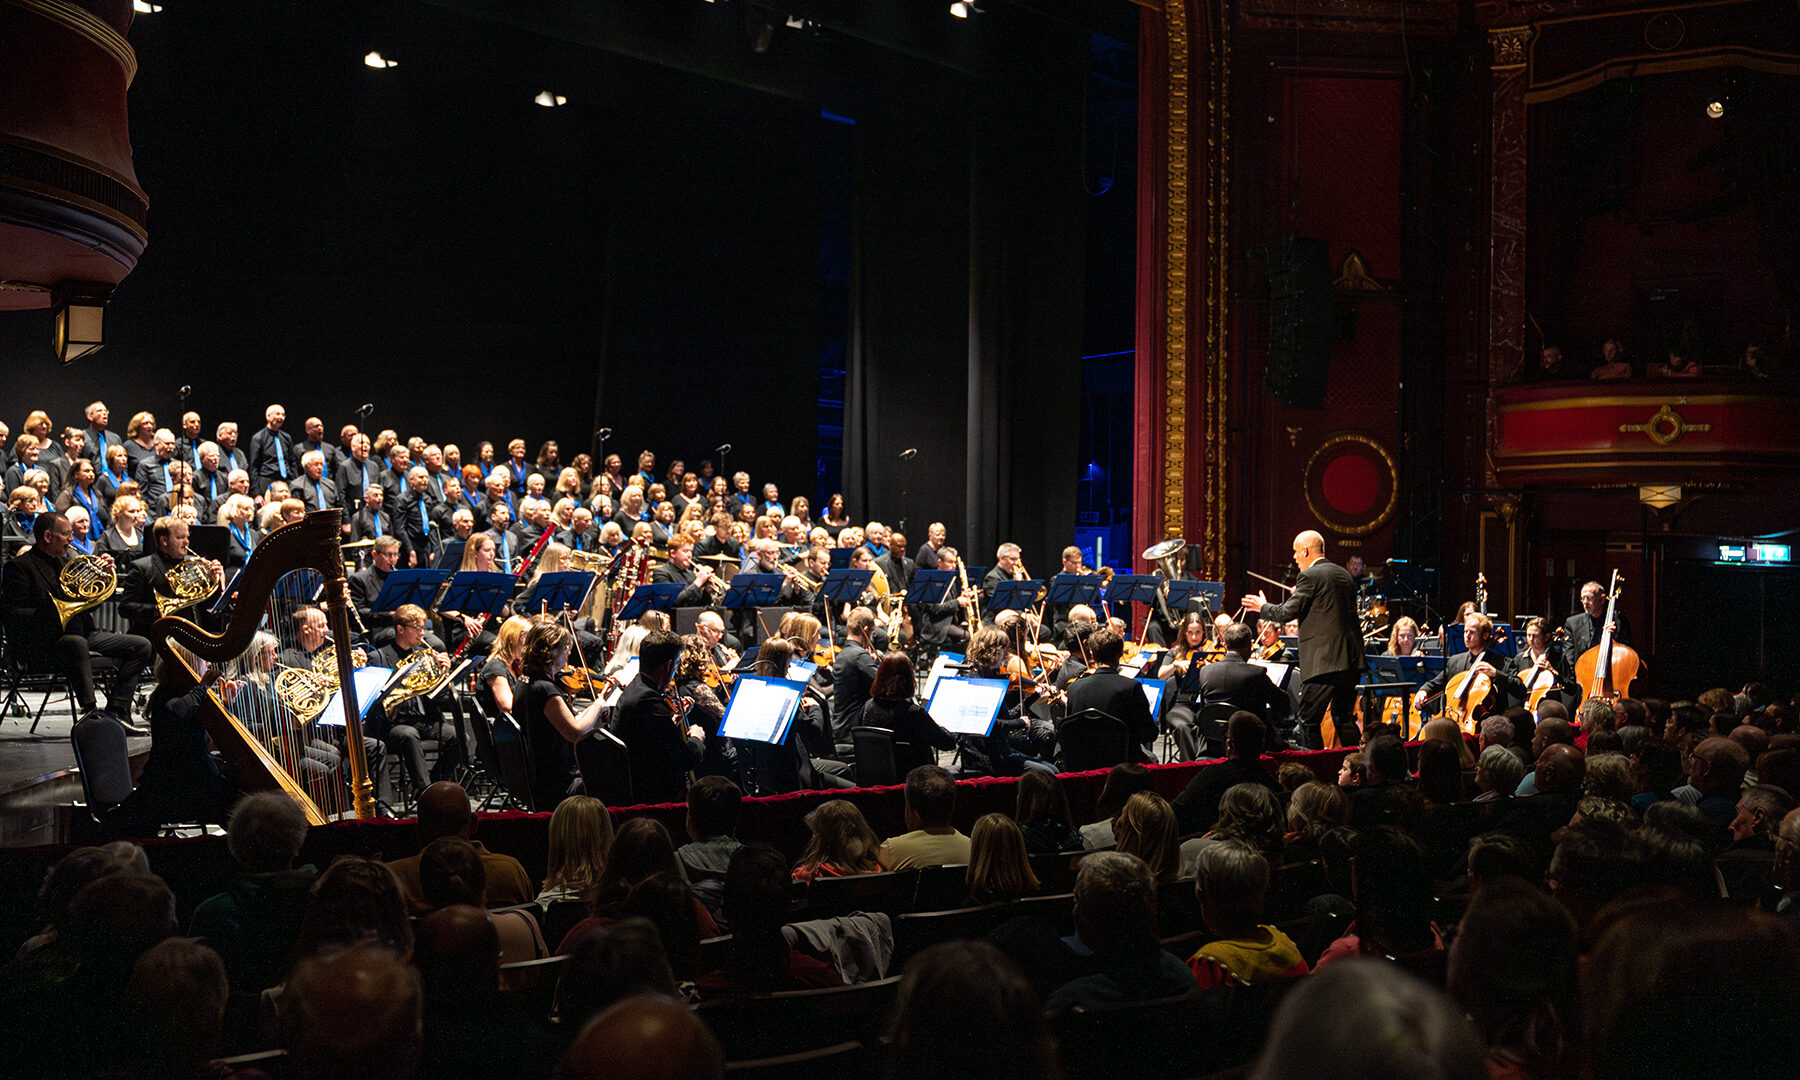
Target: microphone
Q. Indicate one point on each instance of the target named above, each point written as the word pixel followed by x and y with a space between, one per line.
pixel 185 391
pixel 909 454
pixel 603 433
pixel 726 449
pixel 364 411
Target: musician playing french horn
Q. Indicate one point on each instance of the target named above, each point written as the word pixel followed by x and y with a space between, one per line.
pixel 403 718
pixel 36 631
pixel 151 592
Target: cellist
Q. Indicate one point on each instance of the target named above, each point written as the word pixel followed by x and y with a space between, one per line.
pixel 1478 661
pixel 1540 663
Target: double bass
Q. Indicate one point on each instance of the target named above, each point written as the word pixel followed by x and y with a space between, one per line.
pixel 1605 671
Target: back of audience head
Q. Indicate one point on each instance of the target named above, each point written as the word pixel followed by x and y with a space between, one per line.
pixel 1384 760
pixel 1245 735
pixel 1560 769
pixel 1394 897
pixel 355 902
pixel 351 1014
pixel 1499 769
pixel 1115 904
pixel 451 872
pixel 70 875
pixel 667 902
pixel 1440 772
pixel 930 797
pixel 965 1009
pixel 1609 775
pixel 1315 809
pixel 1122 782
pixel 1512 969
pixel 580 836
pixel 1146 828
pixel 641 847
pixel 457 954
pixel 444 811
pixel 1717 764
pixel 1231 883
pixel 999 868
pixel 1040 798
pixel 839 834
pixel 1252 813
pixel 116 917
pixel 177 991
pixel 1369 1020
pixel 266 832
pixel 1501 855
pixel 713 806
pixel 609 963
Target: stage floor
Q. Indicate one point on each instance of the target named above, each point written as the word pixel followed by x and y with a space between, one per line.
pixel 40 788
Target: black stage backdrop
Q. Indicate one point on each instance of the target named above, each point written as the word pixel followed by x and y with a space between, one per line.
pixel 657 257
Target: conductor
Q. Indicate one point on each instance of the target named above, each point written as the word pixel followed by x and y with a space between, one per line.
pixel 1331 658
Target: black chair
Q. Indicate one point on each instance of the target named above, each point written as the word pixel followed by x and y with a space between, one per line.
pixel 1056 912
pixel 1219 1029
pixel 891 892
pixel 1091 739
pixel 605 768
pixel 104 762
pixel 845 1061
pixel 796 1021
pixel 534 982
pixel 1055 870
pixel 515 766
pixel 1291 886
pixel 1177 908
pixel 715 952
pixel 1211 723
pixel 875 762
pixel 919 931
pixel 941 888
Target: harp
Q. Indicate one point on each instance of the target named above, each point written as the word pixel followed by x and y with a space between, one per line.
pixel 308 544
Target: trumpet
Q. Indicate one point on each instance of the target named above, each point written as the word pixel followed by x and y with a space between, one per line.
pixel 191 582
pixel 89 581
pixel 799 579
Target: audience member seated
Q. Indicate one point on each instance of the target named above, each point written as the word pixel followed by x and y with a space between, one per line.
pixel 1368 1020
pixel 1314 809
pixel 1747 866
pixel 177 995
pixel 1497 774
pixel 1122 783
pixel 1115 947
pixel 999 867
pixel 1512 969
pixel 1198 804
pixel 444 811
pixel 932 841
pixel 965 1009
pixel 1231 887
pixel 471 1029
pixel 451 872
pixel 608 964
pixel 253 922
pixel 1042 812
pixel 580 835
pixel 712 816
pixel 644 1038
pixel 1249 813
pixel 1394 901
pixel 1146 828
pixel 640 849
pixel 842 844
pixel 756 906
pixel 353 1013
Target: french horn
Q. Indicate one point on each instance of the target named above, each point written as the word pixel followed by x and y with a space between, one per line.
pixel 88 581
pixel 190 582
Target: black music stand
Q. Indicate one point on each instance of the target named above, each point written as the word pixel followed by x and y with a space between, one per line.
pixel 655 596
pixel 1015 595
pixel 411 587
pixel 476 592
pixel 930 586
pixel 1211 594
pixel 845 586
pixel 840 557
pixel 451 557
pixel 752 590
pixel 1071 589
pixel 565 589
pixel 1135 589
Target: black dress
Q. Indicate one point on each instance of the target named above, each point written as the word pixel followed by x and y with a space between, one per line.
pixel 552 757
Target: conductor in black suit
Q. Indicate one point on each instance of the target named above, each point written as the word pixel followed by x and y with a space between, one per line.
pixel 1234 681
pixel 1103 688
pixel 1331 657
pixel 1478 640
pixel 661 753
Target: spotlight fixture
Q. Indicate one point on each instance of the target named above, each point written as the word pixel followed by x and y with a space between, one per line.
pixel 143 7
pixel 549 100
pixel 795 22
pixel 1715 109
pixel 80 321
pixel 379 62
pixel 964 9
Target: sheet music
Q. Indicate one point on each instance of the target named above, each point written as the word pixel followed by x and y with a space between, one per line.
pixel 761 709
pixel 967 706
pixel 940 668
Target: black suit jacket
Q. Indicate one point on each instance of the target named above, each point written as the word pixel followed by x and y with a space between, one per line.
pixel 1233 680
pixel 29 585
pixel 140 588
pixel 1461 662
pixel 365 586
pixel 1117 696
pixel 1324 600
pixel 668 573
pixel 350 481
pixel 661 752
pixel 1584 633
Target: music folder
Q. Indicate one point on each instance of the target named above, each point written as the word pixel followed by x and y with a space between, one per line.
pixel 411 587
pixel 761 709
pixel 967 706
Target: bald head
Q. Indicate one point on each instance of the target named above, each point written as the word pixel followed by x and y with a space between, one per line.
pixel 645 1038
pixel 351 1015
pixel 1309 547
pixel 1560 769
pixel 444 811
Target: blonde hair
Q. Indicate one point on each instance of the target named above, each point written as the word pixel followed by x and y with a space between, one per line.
pixel 1442 727
pixel 1394 634
pixel 581 835
pixel 509 640
pixel 841 836
pixel 472 549
pixel 999 867
pixel 1146 828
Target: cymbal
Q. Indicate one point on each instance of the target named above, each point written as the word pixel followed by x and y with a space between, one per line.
pixel 352 545
pixel 718 558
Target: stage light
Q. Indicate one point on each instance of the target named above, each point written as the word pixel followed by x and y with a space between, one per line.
pixel 80 323
pixel 143 8
pixel 379 62
pixel 964 9
pixel 549 100
pixel 1715 109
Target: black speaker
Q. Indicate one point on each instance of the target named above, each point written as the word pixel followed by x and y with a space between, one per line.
pixel 1302 322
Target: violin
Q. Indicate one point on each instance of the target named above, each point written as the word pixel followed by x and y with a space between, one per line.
pixel 581 680
pixel 825 655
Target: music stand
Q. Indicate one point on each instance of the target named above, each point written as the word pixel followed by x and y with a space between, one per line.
pixel 761 709
pixel 367 684
pixel 930 586
pixel 476 592
pixel 655 596
pixel 1015 595
pixel 451 557
pixel 840 557
pixel 227 594
pixel 1135 589
pixel 1212 594
pixel 752 590
pixel 967 706
pixel 1153 693
pixel 411 587
pixel 845 586
pixel 565 589
pixel 941 668
pixel 1071 589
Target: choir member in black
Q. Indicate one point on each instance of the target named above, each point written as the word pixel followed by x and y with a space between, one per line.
pixel 272 455
pixel 99 440
pixel 405 726
pixel 663 749
pixel 154 473
pixel 375 521
pixel 462 524
pixel 25 458
pixel 230 455
pixel 579 536
pixel 81 490
pixel 211 482
pixel 114 472
pixel 355 474
pixel 314 488
pixel 852 674
pixel 315 441
pixel 506 542
pixel 927 557
pixel 891 706
pixel 42 642
pixel 393 478
pixel 237 482
pixel 689 492
pixel 60 467
pixel 455 498
pixel 1116 695
pixel 518 468
pixel 140 440
pixel 681 568
pixel 125 540
pixel 187 447
pixel 149 575
pixel 698 677
pixel 422 517
pixel 1181 671
pixel 534 518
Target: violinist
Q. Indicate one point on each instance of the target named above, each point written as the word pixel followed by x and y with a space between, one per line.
pixel 1103 688
pixel 852 674
pixel 891 706
pixel 1478 636
pixel 1181 668
pixel 1001 753
pixel 663 746
pixel 496 685
pixel 696 677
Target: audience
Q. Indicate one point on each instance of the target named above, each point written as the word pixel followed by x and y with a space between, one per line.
pixel 842 843
pixel 932 841
pixel 999 867
pixel 1231 887
pixel 1116 950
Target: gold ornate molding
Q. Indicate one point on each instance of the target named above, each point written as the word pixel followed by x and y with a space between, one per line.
pixel 1509 43
pixel 1175 276
pixel 88 25
pixel 1392 479
pixel 1218 277
pixel 1665 427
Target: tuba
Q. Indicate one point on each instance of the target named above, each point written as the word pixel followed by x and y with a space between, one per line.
pixel 88 581
pixel 1163 555
pixel 190 582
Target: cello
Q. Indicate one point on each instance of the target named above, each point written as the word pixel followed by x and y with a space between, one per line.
pixel 1605 671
